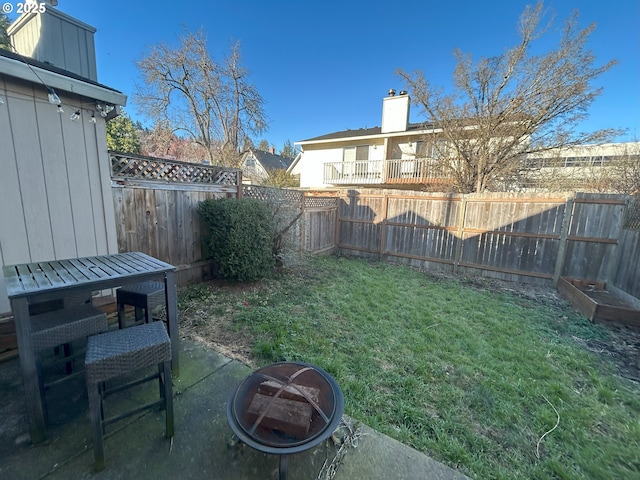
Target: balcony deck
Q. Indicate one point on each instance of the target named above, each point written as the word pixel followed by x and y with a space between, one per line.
pixel 383 172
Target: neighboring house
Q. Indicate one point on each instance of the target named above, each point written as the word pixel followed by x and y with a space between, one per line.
pixel 393 155
pixel 295 168
pixel 399 155
pixel 257 165
pixel 55 187
pixel 585 167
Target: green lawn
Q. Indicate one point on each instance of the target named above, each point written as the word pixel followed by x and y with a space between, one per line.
pixel 471 376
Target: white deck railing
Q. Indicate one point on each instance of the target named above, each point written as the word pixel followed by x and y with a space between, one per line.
pixel 414 170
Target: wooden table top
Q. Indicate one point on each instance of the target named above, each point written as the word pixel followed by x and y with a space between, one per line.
pixel 57 275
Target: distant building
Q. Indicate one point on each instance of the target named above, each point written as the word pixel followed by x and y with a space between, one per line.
pixel 400 154
pixel 584 167
pixel 257 165
pixel 393 155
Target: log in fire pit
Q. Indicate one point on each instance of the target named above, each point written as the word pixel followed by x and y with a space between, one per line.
pixel 285 408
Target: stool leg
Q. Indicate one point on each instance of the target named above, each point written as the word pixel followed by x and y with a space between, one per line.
pixel 68 351
pixel 148 317
pixel 42 389
pixel 139 314
pixel 168 399
pixel 95 408
pixel 120 315
pixel 161 378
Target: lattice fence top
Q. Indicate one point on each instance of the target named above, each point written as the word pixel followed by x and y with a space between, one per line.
pixel 320 202
pixel 632 214
pixel 148 168
pixel 271 194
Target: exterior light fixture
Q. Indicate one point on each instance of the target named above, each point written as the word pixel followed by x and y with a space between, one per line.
pixel 103 109
pixel 75 116
pixel 54 99
pixel 93 118
pixel 60 109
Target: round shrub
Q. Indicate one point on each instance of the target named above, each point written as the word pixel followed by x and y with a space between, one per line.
pixel 241 236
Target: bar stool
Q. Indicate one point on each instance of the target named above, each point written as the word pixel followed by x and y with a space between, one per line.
pixel 118 353
pixel 60 327
pixel 144 296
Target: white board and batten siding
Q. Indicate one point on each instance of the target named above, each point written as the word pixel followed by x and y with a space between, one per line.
pixel 54 182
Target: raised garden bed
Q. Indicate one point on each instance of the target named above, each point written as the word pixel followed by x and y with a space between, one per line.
pixel 597 303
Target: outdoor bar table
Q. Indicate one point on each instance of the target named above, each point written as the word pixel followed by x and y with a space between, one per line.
pixel 40 281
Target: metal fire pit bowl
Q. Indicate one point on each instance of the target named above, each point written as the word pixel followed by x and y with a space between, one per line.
pixel 285 408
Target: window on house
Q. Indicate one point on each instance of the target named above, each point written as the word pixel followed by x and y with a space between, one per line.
pixel 430 155
pixel 430 149
pixel 356 160
pixel 424 149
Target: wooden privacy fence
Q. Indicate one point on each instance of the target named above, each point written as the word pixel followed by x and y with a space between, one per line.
pixel 309 220
pixel 156 209
pixel 165 224
pixel 520 237
pixel 319 224
pixel 523 237
pixel 162 220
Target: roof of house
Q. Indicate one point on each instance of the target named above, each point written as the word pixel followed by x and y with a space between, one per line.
pixel 272 161
pixel 25 68
pixel 365 132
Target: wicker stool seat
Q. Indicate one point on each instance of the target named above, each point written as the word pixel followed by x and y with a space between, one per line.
pixel 121 352
pixel 144 296
pixel 60 327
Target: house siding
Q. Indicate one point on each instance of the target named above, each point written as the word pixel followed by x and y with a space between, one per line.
pixel 55 183
pixel 315 156
pixel 58 39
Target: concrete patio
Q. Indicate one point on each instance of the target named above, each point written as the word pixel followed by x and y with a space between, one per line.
pixel 203 445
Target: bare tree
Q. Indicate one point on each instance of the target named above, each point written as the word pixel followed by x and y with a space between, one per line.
pixel 594 168
pixel 624 176
pixel 505 107
pixel 212 102
pixel 161 141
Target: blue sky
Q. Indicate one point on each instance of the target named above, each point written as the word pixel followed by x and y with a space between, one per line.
pixel 325 66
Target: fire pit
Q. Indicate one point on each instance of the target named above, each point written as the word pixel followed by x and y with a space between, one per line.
pixel 285 408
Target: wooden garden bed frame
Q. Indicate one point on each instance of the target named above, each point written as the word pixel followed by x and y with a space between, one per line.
pixel 600 305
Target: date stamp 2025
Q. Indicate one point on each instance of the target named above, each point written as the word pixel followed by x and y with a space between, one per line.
pixel 24 7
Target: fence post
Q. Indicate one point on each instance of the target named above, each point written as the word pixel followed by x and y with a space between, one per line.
pixel 461 221
pixel 383 226
pixel 303 225
pixel 562 249
pixel 612 265
pixel 336 233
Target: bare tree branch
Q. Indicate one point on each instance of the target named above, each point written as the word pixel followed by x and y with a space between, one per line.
pixel 505 107
pixel 212 102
